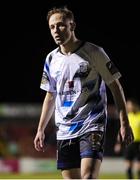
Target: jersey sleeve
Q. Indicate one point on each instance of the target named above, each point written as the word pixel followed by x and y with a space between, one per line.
pixel 105 67
pixel 47 82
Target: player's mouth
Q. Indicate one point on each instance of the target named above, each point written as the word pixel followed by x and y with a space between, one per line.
pixel 57 38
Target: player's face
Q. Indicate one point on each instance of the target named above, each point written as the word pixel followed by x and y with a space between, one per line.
pixel 61 28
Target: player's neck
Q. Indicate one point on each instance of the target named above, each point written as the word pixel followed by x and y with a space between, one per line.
pixel 70 47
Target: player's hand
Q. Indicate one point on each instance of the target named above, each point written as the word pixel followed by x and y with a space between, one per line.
pixel 126 135
pixel 39 141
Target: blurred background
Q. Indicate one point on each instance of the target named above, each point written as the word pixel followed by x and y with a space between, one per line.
pixel 25 41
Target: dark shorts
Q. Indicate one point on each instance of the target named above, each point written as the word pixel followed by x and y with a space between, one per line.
pixel 132 152
pixel 70 152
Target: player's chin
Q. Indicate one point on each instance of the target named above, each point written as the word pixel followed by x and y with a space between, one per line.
pixel 58 42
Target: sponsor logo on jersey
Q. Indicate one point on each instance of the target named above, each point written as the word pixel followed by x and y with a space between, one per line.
pixel 83 70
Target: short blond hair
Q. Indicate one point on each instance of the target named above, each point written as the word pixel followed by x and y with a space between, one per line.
pixel 68 14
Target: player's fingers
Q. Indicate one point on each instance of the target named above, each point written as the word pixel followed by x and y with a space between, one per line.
pixel 41 142
pixel 37 144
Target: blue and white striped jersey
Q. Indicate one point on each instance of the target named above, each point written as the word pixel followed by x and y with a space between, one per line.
pixel 78 81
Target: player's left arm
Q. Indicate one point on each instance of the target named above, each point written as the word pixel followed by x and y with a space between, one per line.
pixel 119 99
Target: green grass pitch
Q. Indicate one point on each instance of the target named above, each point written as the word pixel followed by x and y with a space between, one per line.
pixel 54 175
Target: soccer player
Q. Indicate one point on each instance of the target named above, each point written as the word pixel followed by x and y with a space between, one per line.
pixel 74 78
pixel 132 152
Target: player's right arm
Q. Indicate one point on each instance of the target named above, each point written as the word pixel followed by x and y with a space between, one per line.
pixel 46 113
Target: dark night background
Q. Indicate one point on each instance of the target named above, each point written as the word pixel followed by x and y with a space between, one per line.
pixel 25 41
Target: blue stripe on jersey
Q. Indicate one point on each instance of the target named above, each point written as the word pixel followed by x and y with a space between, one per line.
pixel 76 126
pixel 67 103
pixel 47 67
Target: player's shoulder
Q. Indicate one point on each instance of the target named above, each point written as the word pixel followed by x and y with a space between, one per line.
pixel 93 47
pixel 51 54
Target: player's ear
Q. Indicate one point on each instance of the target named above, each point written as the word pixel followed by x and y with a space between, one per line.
pixel 73 26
